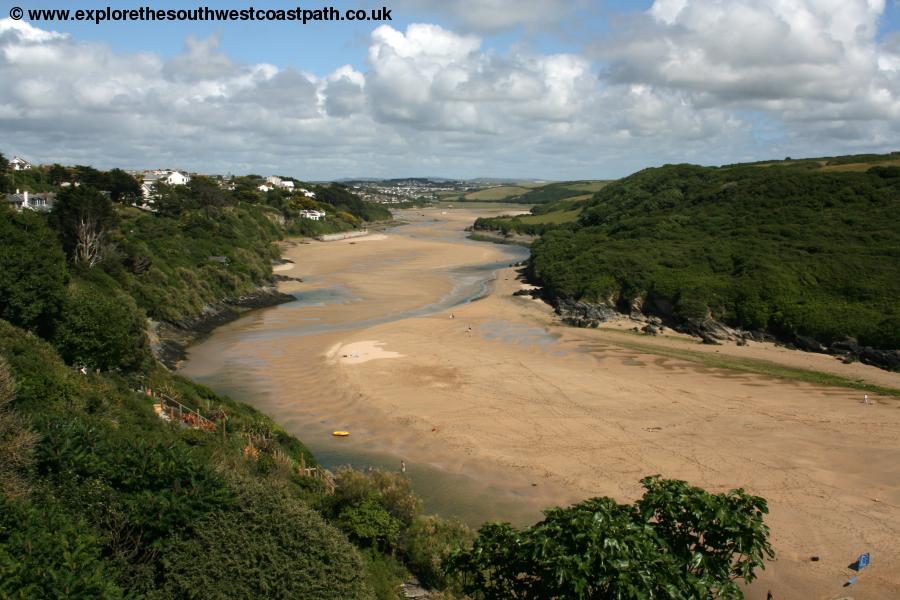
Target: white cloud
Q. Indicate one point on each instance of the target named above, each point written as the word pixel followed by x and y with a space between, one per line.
pixel 689 80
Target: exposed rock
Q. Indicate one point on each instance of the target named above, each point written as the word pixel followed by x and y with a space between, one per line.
pixel 585 314
pixel 848 346
pixel 709 328
pixel 807 343
pixel 655 311
pixel 636 309
pixel 759 335
pixel 708 339
pixel 886 359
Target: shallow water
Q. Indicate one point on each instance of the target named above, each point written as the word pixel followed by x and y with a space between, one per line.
pixel 238 360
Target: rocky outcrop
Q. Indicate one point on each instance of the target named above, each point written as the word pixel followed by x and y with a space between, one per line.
pixel 851 350
pixel 657 312
pixel 585 314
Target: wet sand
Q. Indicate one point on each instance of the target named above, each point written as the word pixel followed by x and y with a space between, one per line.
pixel 501 406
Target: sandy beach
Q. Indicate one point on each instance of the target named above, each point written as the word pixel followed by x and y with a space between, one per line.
pixel 498 389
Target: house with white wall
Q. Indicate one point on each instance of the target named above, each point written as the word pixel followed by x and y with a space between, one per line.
pixel 19 164
pixel 314 215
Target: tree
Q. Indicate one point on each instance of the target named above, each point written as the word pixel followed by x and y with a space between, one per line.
pixel 206 193
pixel 33 272
pixel 122 186
pixel 4 166
pixel 83 216
pixel 91 177
pixel 678 541
pixel 57 174
pixel 169 200
pixel 101 329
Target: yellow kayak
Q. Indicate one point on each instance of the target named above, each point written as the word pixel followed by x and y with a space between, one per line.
pixel 340 433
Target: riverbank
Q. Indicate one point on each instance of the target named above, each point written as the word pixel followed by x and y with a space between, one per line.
pixel 497 391
pixel 170 341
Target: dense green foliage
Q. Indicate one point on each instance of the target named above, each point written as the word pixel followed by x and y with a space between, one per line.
pixel 122 500
pixel 296 554
pixel 170 266
pixel 33 272
pixel 49 553
pixel 677 541
pixel 343 200
pixel 100 327
pixel 791 250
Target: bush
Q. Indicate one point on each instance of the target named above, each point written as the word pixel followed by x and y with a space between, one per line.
pixel 268 545
pixel 48 553
pixel 429 541
pixel 370 524
pixel 16 440
pixel 393 490
pixel 677 541
pixel 32 271
pixel 101 329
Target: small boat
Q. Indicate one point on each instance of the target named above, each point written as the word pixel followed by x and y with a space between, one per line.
pixel 340 433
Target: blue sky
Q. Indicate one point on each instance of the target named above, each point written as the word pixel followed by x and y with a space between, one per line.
pixel 541 88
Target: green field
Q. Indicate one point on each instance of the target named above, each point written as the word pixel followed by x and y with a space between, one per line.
pixel 502 192
pixel 555 217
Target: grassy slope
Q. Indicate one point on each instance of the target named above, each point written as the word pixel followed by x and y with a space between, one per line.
pixel 135 491
pixel 496 193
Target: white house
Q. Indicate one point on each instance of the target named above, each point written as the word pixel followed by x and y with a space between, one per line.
pixel 307 193
pixel 284 184
pixel 27 201
pixel 19 164
pixel 148 185
pixel 265 187
pixel 177 178
pixel 151 178
pixel 315 215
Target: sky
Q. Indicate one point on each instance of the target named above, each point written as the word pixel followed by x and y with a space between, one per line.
pixel 540 89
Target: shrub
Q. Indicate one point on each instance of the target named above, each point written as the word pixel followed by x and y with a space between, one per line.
pixel 32 271
pixel 677 541
pixel 48 553
pixel 429 541
pixel 101 329
pixel 16 440
pixel 268 545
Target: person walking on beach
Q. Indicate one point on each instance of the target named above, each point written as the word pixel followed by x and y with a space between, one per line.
pixel 866 398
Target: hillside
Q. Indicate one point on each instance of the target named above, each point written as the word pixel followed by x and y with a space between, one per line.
pixel 794 249
pixel 121 479
pixel 537 193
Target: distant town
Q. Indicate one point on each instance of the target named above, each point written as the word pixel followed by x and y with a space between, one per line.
pixel 38 193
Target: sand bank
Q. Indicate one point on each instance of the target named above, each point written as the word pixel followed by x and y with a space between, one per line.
pixel 558 414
